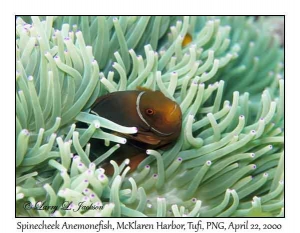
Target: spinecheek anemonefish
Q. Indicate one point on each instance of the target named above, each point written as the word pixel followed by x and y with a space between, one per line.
pixel 157 118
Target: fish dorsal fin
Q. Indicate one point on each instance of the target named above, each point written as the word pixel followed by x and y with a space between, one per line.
pixel 139 88
pixel 104 97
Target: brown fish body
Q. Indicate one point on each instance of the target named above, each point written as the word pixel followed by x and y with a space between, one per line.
pixel 157 118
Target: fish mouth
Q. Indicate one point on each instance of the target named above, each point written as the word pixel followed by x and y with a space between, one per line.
pixel 161 133
pixel 150 136
pixel 152 140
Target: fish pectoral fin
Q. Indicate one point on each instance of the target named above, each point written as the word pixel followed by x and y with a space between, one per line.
pixel 149 139
pixel 152 140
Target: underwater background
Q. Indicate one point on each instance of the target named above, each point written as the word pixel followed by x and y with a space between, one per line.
pixel 228 81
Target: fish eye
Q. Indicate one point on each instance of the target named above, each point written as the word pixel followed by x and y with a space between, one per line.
pixel 149 111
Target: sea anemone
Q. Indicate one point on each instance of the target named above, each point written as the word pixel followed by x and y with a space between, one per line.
pixel 226 73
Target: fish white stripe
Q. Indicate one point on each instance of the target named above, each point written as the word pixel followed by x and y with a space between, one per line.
pixel 138 100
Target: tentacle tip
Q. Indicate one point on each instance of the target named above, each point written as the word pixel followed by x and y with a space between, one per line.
pixel 21 195
pixel 173 27
pixel 86 198
pixel 25 131
pixel 251 43
pixel 76 157
pixel 97 124
pixel 193 46
pixel 112 205
pixel 86 191
pixel 101 176
pixel 208 162
pixel 98 203
pixel 253 132
pixel 127 161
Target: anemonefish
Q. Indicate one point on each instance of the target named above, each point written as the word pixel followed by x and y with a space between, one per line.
pixel 157 118
pixel 187 40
